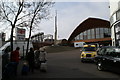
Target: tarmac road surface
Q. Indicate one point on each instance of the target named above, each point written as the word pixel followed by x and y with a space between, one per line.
pixel 68 65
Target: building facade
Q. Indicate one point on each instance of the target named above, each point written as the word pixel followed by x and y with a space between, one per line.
pixel 40 40
pixel 115 22
pixel 92 30
pixel 95 33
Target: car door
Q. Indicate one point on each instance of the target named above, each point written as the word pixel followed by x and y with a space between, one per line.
pixel 116 64
pixel 117 58
pixel 116 61
pixel 110 59
pixel 106 59
pixel 99 55
pixel 102 56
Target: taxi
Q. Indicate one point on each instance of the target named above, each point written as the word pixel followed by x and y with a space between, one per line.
pixel 88 53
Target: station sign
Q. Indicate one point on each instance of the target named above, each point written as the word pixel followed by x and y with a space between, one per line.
pixel 20 34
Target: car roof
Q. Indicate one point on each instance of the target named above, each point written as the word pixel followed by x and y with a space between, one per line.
pixel 109 47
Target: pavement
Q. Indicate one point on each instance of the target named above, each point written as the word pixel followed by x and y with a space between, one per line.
pixel 29 76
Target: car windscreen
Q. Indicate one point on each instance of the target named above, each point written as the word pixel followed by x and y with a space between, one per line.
pixel 115 52
pixel 117 49
pixel 89 49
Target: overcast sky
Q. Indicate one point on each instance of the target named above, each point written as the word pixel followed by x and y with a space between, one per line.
pixel 71 14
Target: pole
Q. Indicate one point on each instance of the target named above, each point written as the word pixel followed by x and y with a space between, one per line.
pixel 55 42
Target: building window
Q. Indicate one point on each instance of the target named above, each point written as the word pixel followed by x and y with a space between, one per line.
pixel 92 34
pixel 85 35
pixel 117 34
pixel 89 34
pixel 113 18
pixel 97 33
pixel 106 32
pixel 118 37
pixel 81 36
pixel 109 32
pixel 77 38
pixel 101 32
pixel 118 15
pixel 117 28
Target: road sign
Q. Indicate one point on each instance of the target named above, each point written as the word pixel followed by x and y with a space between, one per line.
pixel 20 34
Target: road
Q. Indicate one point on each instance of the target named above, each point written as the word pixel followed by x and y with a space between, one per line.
pixel 68 65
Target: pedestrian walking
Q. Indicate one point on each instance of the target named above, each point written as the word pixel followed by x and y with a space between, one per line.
pixel 30 59
pixel 37 54
pixel 37 61
pixel 43 59
pixel 43 55
pixel 15 59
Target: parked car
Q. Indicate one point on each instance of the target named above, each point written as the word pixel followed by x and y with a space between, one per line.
pixel 79 44
pixel 108 58
pixel 88 53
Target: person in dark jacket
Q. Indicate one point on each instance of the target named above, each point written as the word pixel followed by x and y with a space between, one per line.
pixel 30 58
pixel 37 61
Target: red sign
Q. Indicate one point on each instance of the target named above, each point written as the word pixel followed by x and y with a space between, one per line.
pixel 21 31
pixel 20 34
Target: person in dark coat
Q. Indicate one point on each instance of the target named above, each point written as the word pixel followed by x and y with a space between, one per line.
pixel 37 62
pixel 30 58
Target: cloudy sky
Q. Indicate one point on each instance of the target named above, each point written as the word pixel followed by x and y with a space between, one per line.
pixel 71 14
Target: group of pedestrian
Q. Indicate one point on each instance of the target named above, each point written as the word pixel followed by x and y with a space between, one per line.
pixel 39 55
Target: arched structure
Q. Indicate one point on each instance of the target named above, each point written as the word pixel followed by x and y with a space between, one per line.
pixel 89 26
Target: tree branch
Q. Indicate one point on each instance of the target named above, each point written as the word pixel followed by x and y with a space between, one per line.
pixel 18 12
pixel 24 16
pixel 5 14
pixel 21 23
pixel 11 10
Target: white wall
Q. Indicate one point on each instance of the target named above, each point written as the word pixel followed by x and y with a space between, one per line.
pixel 0 39
pixel 112 35
pixel 113 6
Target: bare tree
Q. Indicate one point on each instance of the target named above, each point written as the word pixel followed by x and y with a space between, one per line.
pixel 10 12
pixel 37 11
pixel 24 13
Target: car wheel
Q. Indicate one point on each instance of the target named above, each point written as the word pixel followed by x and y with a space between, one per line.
pixel 100 66
pixel 82 61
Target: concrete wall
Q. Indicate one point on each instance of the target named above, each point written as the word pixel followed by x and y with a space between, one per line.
pixel 114 7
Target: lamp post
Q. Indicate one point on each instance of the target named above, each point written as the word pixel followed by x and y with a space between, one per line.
pixel 55 41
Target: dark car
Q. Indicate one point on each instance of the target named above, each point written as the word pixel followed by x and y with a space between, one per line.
pixel 108 58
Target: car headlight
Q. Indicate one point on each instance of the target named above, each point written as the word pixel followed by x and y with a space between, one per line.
pixel 94 55
pixel 82 55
